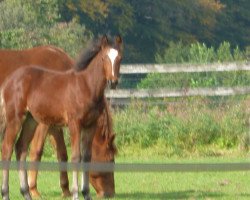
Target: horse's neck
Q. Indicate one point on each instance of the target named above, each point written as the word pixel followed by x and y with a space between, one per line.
pixel 94 77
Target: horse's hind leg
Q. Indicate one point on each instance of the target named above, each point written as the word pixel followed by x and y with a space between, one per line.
pixel 10 135
pixel 57 141
pixel 36 150
pixel 22 145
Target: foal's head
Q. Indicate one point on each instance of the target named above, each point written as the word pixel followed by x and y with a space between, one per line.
pixel 112 56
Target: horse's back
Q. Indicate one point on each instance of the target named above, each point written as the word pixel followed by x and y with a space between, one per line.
pixel 49 57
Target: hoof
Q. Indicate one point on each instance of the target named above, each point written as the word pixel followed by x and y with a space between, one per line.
pixel 87 198
pixel 86 195
pixel 5 194
pixel 105 195
pixel 27 196
pixel 66 194
pixel 34 193
pixel 26 193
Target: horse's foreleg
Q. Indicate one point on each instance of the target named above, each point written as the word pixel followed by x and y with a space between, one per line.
pixel 57 141
pixel 7 150
pixel 36 150
pixel 22 145
pixel 87 139
pixel 74 129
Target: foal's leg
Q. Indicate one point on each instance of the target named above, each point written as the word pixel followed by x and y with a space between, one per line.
pixel 36 150
pixel 74 129
pixel 10 135
pixel 22 146
pixel 57 141
pixel 87 139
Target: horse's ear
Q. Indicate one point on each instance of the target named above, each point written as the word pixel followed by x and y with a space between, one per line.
pixel 104 41
pixel 111 144
pixel 111 139
pixel 118 40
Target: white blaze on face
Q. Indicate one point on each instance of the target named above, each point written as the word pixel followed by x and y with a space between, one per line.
pixel 112 54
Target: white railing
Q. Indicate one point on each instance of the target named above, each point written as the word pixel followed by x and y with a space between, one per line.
pixel 175 68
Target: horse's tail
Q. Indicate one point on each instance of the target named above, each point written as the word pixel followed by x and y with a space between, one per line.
pixel 2 115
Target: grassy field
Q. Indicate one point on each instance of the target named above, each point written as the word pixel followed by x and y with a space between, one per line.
pixel 129 186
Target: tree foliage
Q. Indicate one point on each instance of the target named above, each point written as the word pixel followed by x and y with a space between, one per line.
pixel 28 14
pixel 234 23
pixel 100 16
pixel 31 23
pixel 198 53
pixel 147 26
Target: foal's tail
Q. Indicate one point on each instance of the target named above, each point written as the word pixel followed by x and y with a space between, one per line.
pixel 2 115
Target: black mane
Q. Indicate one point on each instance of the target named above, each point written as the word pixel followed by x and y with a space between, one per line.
pixel 88 54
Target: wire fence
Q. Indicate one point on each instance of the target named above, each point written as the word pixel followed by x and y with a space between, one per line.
pixel 126 167
pixel 132 74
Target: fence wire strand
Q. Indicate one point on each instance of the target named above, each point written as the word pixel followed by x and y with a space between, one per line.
pixel 126 167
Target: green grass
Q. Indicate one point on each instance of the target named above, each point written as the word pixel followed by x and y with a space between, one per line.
pixel 129 186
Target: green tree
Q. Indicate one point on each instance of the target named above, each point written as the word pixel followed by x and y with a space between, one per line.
pixel 146 26
pixel 28 14
pixel 33 23
pixel 100 16
pixel 234 23
pixel 157 22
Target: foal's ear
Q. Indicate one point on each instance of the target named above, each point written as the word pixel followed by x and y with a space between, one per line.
pixel 118 42
pixel 118 39
pixel 104 41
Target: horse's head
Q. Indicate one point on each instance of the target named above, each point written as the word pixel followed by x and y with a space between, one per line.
pixel 103 150
pixel 112 56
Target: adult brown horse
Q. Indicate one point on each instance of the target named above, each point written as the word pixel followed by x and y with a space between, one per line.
pixel 103 148
pixel 52 58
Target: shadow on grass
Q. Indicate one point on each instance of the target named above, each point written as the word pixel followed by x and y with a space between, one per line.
pixel 188 194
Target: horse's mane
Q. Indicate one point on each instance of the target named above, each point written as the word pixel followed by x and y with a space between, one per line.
pixel 107 126
pixel 108 122
pixel 87 55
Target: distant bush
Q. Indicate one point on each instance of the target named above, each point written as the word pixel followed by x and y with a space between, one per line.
pixel 189 125
pixel 175 53
pixel 28 14
pixel 72 37
pixel 194 80
pixel 199 53
pixel 248 52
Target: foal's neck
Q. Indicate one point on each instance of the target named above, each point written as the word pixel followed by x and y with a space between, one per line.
pixel 94 77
